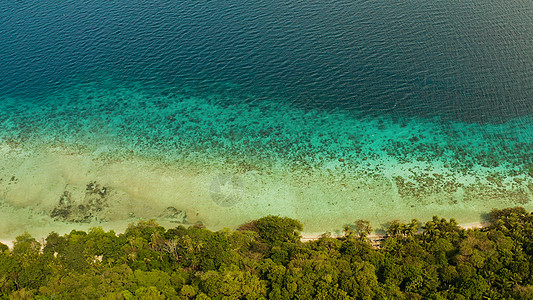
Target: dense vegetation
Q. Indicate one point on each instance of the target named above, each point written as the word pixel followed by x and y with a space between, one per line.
pixel 265 259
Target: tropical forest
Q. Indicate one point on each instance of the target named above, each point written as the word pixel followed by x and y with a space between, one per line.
pixel 266 259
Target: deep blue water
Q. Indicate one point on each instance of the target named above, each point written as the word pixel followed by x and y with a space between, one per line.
pixel 464 60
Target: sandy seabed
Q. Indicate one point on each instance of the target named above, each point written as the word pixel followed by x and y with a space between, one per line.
pixel 35 183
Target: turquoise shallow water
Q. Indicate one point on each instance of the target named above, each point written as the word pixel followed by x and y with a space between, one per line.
pixel 224 112
pixel 124 153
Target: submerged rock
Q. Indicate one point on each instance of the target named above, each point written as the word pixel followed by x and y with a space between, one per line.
pixel 94 188
pixel 174 215
pixel 83 210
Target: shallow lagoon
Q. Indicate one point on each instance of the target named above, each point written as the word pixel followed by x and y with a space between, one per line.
pixel 125 154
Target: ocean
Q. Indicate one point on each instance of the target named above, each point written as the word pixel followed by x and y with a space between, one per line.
pixel 221 112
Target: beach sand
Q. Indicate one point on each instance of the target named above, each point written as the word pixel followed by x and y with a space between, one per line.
pixel 8 243
pixel 306 237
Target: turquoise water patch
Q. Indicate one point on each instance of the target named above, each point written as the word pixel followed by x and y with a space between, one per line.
pixel 223 163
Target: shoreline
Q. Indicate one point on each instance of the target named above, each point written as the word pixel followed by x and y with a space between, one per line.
pixel 307 237
pixel 377 236
pixel 7 243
